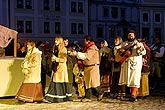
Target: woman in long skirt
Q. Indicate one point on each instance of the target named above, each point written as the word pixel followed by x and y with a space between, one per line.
pixel 31 88
pixel 105 66
pixel 59 89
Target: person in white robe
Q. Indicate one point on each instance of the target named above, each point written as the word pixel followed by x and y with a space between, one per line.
pixel 131 68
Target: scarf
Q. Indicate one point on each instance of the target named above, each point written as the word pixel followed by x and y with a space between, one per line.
pixel 88 45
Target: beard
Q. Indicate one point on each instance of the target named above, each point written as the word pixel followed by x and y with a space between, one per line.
pixel 131 39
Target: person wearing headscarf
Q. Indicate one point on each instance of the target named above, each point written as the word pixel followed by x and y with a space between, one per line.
pixel 105 66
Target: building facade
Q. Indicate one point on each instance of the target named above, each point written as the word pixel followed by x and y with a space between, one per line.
pixel 110 18
pixel 45 19
pixel 152 19
pixel 103 19
pixel 4 13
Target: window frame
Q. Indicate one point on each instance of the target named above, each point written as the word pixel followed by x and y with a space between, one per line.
pixel 46 5
pixel 73 7
pixel 58 25
pixel 155 18
pixel 28 6
pixel 80 28
pixel 104 11
pixel 57 6
pixel 145 20
pixel 114 12
pixel 20 26
pixel 73 28
pixel 80 10
pixel 46 27
pixel 30 24
pixel 99 33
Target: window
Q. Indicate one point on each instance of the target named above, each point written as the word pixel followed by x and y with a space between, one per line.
pixel 80 7
pixel 145 33
pixel 123 12
pixel 125 33
pixel 19 3
pixel 145 17
pixel 157 32
pixel 139 1
pixel 74 28
pixel 105 12
pixel 80 28
pixel 57 5
pixel 157 17
pixel 46 5
pixel 57 27
pixel 28 26
pixel 73 7
pixel 46 27
pixel 111 32
pixel 20 26
pixel 28 4
pixel 99 32
pixel 114 12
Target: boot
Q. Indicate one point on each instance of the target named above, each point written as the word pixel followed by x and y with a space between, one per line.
pixel 133 94
pixel 88 94
pixel 157 87
pixel 151 82
pixel 100 93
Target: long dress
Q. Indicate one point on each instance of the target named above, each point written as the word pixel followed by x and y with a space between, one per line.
pixel 31 88
pixel 144 83
pixel 59 89
pixel 105 69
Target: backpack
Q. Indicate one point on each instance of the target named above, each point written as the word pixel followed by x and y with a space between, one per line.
pixel 146 59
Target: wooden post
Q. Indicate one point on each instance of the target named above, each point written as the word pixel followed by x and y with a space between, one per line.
pixel 15 46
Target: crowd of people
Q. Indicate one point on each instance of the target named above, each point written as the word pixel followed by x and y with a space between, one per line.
pixel 125 71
